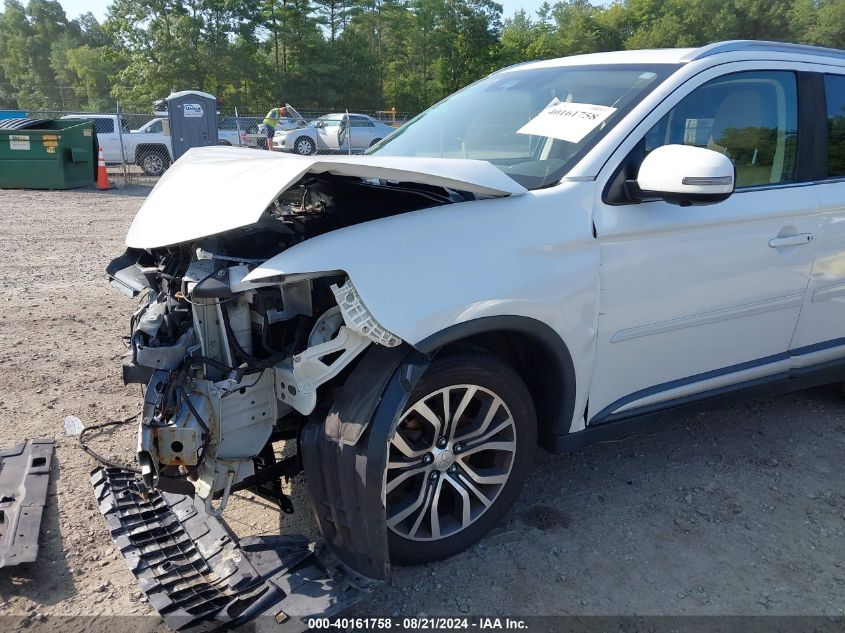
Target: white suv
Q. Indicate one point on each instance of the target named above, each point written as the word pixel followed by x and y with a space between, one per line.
pixel 548 256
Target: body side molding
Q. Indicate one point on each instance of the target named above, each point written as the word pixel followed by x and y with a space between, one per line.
pixel 704 318
pixel 829 292
pixel 825 354
pixel 637 421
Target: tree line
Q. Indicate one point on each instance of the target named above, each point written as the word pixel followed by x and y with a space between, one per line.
pixel 358 54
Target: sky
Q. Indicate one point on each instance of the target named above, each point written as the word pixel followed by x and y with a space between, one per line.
pixel 74 8
pixel 509 7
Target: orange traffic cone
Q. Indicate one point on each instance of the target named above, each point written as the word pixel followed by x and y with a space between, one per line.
pixel 102 177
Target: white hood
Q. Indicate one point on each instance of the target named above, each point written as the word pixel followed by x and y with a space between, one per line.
pixel 214 189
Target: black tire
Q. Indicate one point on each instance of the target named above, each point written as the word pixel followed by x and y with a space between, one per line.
pixel 468 367
pixel 374 141
pixel 154 162
pixel 304 146
pixel 224 143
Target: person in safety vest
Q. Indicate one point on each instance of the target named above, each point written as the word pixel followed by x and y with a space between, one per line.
pixel 270 121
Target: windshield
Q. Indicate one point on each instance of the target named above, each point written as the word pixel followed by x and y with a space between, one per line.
pixel 534 124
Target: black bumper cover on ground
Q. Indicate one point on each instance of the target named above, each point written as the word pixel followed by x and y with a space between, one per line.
pixel 199 576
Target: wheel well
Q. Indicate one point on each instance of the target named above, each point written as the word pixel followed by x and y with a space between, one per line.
pixel 536 352
pixel 146 149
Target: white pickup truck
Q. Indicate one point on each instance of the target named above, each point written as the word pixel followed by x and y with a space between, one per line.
pixel 227 130
pixel 149 147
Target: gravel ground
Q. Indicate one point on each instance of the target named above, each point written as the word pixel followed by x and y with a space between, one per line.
pixel 740 511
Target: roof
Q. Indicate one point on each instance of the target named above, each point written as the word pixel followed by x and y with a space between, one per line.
pixel 340 115
pixel 644 56
pixel 183 93
pixel 684 55
pixel 89 115
pixel 762 46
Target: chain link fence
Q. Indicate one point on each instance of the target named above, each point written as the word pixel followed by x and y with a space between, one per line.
pixel 137 148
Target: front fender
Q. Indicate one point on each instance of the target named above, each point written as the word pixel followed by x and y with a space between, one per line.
pixel 422 272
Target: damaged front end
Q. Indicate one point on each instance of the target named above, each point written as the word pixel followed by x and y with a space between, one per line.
pixel 232 368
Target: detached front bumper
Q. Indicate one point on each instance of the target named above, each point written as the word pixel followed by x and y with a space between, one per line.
pixel 201 577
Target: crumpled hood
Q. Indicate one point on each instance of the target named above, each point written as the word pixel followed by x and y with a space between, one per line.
pixel 215 189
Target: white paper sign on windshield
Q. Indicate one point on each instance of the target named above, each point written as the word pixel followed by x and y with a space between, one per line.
pixel 567 121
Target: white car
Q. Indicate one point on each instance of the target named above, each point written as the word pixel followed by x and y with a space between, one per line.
pixel 553 255
pixel 333 133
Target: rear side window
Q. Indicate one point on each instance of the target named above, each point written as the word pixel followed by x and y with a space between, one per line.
pixel 834 86
pixel 103 126
pixel 752 117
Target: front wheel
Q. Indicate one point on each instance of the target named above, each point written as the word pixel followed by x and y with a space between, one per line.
pixel 459 456
pixel 304 146
pixel 154 162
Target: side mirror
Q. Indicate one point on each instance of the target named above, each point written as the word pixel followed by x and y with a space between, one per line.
pixel 686 175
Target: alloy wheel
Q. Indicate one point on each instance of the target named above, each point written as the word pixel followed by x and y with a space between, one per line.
pixel 153 165
pixel 450 458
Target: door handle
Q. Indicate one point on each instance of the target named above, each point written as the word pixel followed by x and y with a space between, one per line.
pixel 792 240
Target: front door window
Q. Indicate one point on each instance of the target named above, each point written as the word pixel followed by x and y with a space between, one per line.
pixel 752 117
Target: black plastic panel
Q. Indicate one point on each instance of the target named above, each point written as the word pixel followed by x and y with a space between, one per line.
pixel 24 476
pixel 199 577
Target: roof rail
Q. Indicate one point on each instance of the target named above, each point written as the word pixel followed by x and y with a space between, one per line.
pixel 762 46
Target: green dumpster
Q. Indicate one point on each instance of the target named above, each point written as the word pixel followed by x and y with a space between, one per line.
pixel 47 154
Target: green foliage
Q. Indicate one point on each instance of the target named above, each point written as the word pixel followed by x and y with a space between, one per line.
pixel 356 54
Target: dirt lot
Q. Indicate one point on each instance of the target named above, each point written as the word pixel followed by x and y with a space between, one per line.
pixel 738 511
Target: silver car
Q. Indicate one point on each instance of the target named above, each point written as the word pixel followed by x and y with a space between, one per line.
pixel 338 132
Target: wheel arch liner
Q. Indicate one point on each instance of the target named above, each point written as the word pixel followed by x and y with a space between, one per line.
pixel 24 478
pixel 345 460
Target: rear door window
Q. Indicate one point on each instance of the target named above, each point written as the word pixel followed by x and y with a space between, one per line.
pixel 834 86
